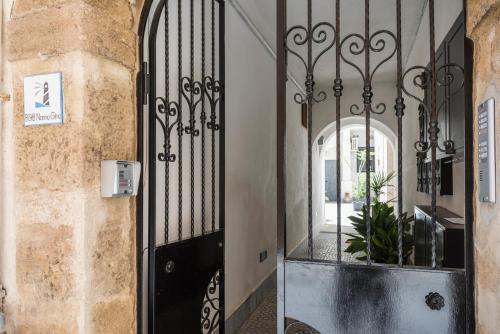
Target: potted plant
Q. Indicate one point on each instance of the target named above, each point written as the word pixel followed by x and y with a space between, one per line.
pixel 384 228
pixel 359 193
pixel 379 182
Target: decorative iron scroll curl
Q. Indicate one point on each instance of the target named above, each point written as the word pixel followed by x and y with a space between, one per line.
pixel 169 109
pixel 192 93
pixel 214 93
pixel 382 42
pixel 446 76
pixel 296 327
pixel 299 36
pixel 420 76
pixel 210 310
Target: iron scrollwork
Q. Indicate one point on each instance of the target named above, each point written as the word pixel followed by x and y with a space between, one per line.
pixel 300 36
pixel 214 92
pixel 445 78
pixel 192 93
pixel 211 310
pixel 358 45
pixel 169 109
pixel 312 35
pixel 420 77
pixel 421 80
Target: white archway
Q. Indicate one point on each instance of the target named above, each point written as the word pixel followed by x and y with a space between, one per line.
pixel 330 129
pixel 325 140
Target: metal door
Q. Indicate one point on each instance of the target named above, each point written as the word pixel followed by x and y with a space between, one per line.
pixel 332 294
pixel 181 131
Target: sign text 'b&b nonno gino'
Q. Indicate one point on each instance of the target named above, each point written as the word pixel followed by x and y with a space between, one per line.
pixel 43 99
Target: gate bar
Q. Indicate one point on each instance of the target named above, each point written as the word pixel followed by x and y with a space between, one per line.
pixel 152 185
pixel 281 77
pixel 222 155
pixel 212 113
pixel 166 137
pixel 367 95
pixel 180 127
pixel 203 118
pixel 192 131
pixel 399 106
pixel 309 92
pixel 433 129
pixel 338 93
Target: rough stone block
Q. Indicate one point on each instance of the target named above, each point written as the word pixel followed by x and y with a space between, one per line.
pixel 46 32
pixel 109 129
pixel 46 279
pixel 42 206
pixel 107 38
pixel 76 26
pixel 113 252
pixel 44 153
pixel 116 316
pixel 476 10
pixel 34 328
pixel 120 11
pixel 25 7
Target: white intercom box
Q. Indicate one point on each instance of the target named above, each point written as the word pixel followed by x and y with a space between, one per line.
pixel 120 178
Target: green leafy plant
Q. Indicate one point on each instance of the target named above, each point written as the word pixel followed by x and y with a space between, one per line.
pixel 384 227
pixel 384 234
pixel 359 189
pixel 379 181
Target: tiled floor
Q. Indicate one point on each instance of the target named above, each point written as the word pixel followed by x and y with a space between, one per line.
pixel 263 320
pixel 325 248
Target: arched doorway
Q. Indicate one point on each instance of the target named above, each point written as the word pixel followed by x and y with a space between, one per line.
pixel 353 164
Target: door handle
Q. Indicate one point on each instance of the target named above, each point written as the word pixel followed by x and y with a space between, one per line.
pixel 434 300
pixel 169 267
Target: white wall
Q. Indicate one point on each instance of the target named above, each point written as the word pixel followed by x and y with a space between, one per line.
pixel 446 12
pixel 296 173
pixel 251 163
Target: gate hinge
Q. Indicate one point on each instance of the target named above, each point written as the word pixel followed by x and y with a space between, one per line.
pixel 145 83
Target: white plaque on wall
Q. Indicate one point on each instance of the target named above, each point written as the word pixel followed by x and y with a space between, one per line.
pixel 43 99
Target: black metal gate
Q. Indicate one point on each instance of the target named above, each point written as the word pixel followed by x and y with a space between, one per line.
pixel 181 131
pixel 332 295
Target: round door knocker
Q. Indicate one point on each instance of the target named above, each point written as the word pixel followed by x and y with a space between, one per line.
pixel 435 301
pixel 169 267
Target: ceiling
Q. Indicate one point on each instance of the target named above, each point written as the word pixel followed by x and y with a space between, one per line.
pixel 382 16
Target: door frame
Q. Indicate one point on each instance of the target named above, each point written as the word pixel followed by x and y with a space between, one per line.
pixel 281 75
pixel 141 92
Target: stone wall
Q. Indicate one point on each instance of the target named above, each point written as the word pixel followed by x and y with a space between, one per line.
pixel 75 252
pixel 484 28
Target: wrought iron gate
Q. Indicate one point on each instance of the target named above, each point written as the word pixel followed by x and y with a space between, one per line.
pixel 331 295
pixel 181 131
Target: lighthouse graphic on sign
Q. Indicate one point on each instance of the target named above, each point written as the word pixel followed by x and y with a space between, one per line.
pixel 42 95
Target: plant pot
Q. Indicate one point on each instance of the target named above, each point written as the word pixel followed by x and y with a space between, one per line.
pixel 358 204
